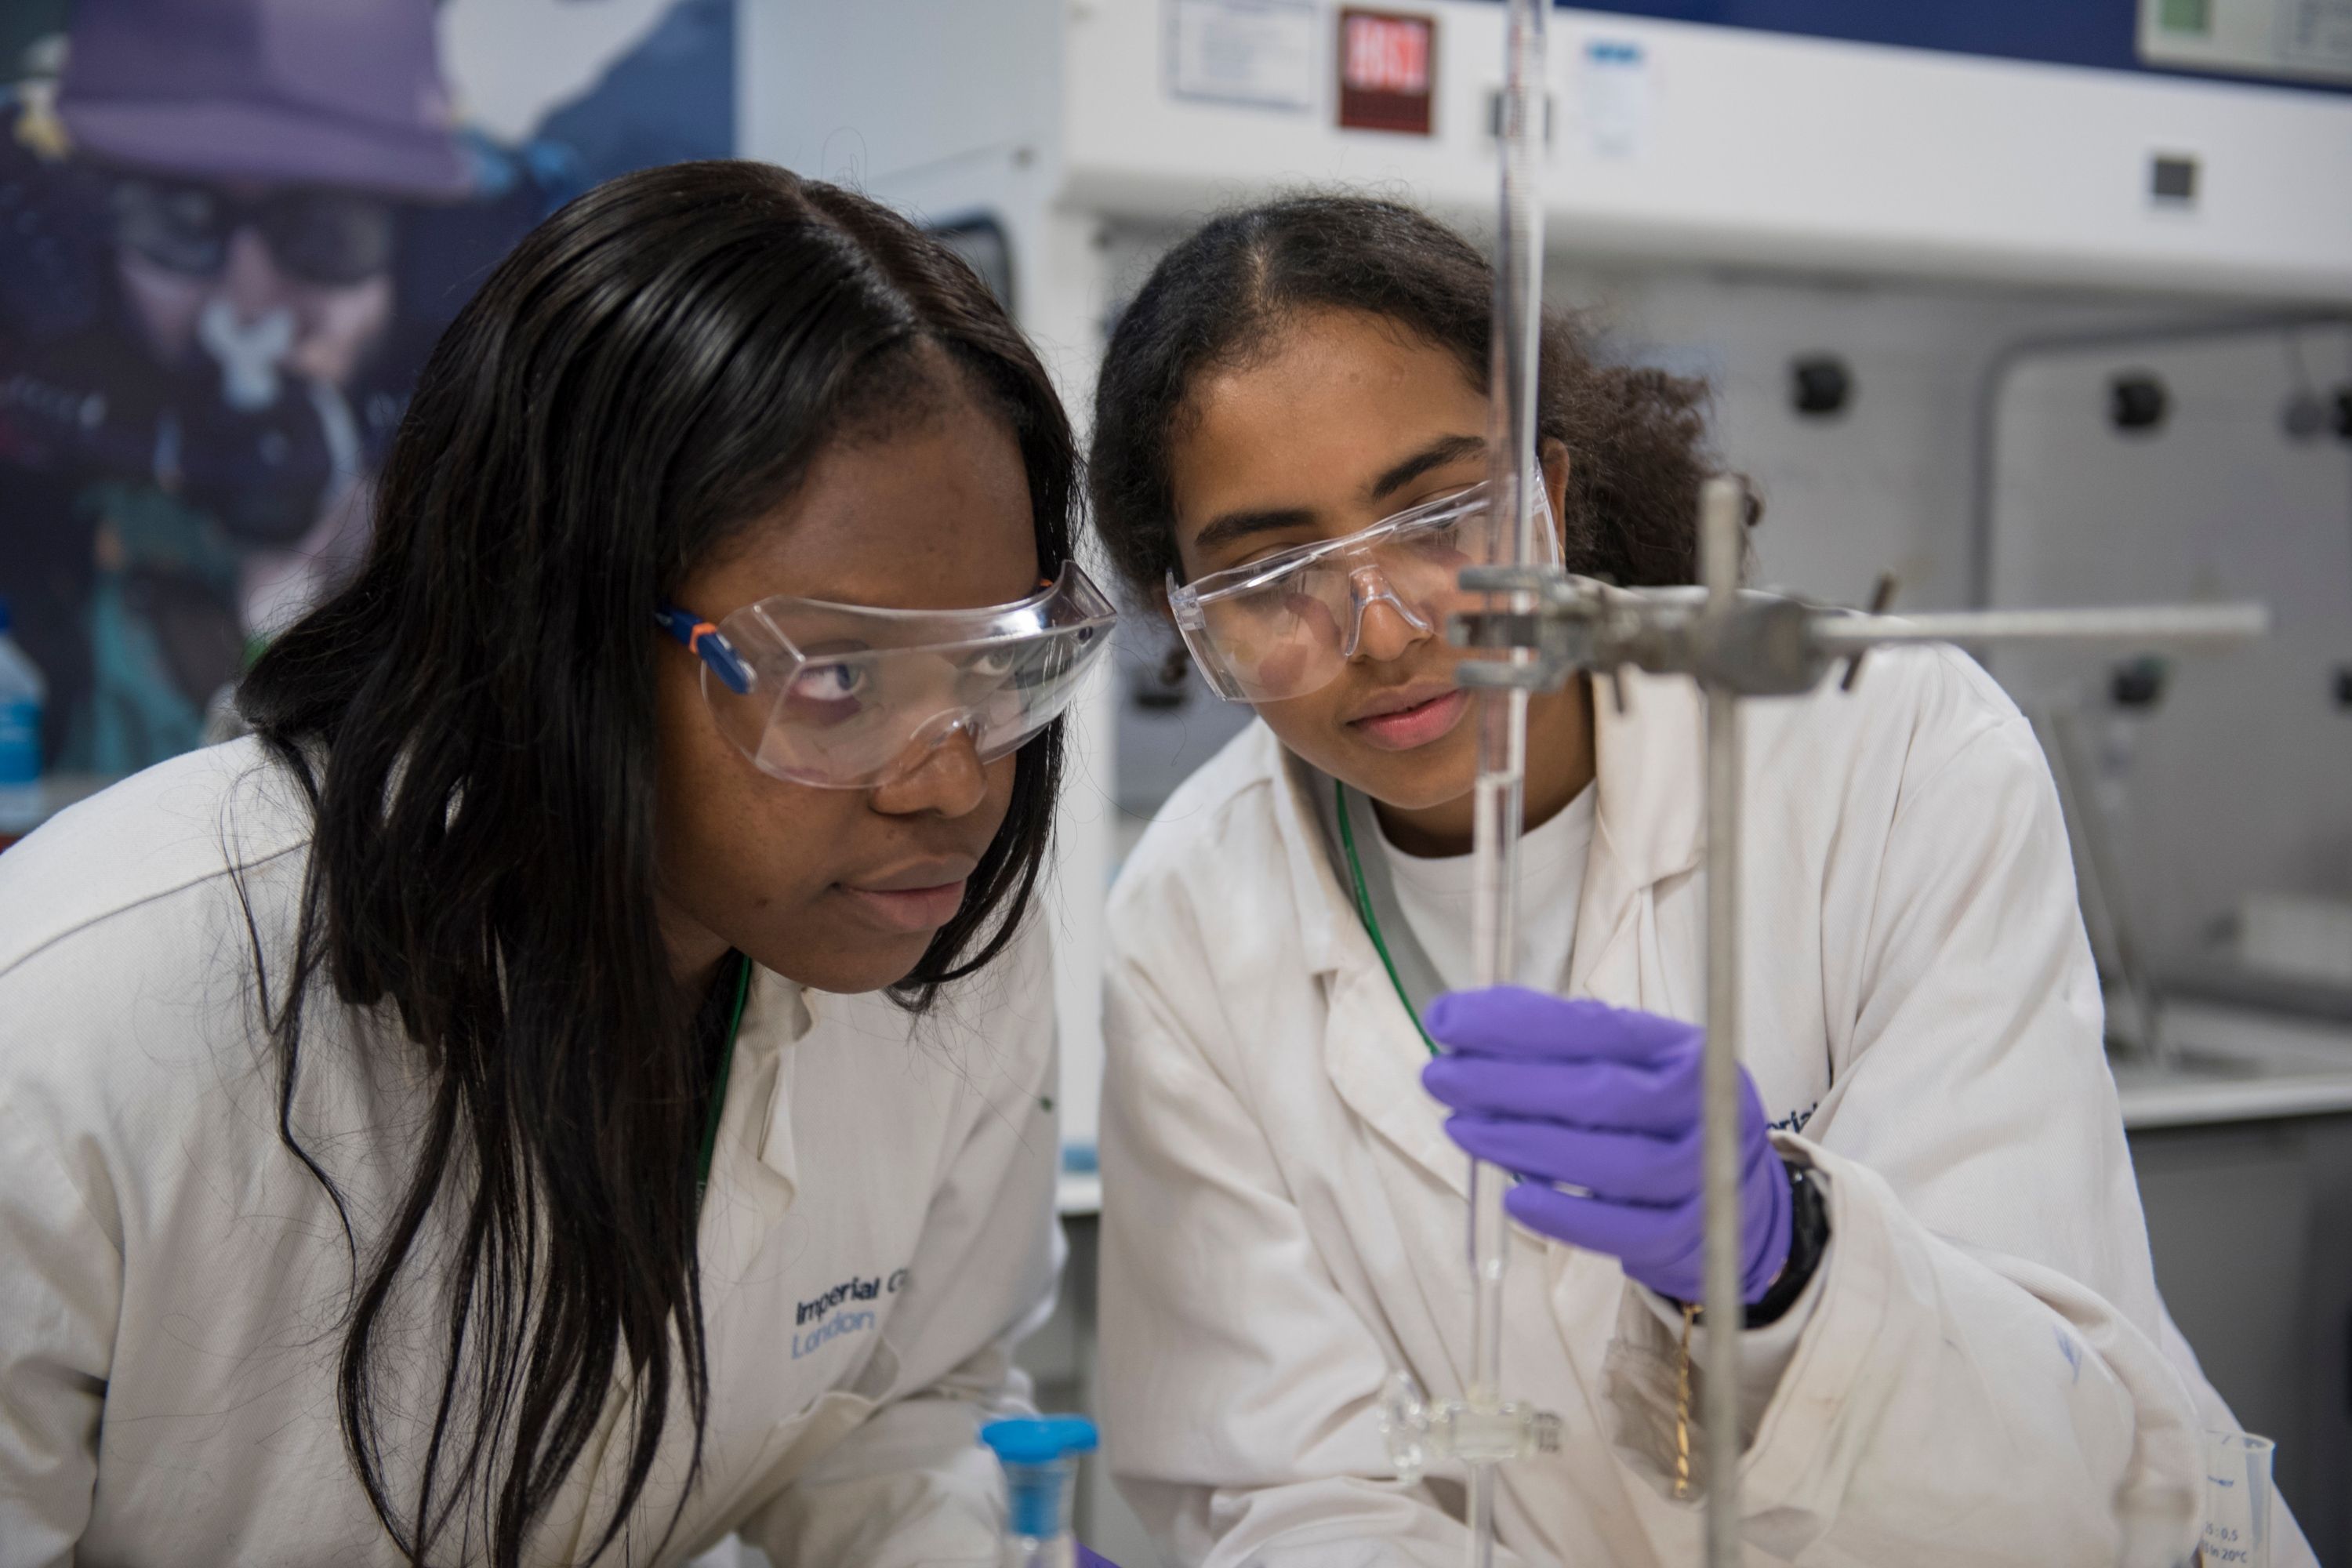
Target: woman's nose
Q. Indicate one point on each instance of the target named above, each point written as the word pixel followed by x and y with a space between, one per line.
pixel 1383 626
pixel 250 279
pixel 941 775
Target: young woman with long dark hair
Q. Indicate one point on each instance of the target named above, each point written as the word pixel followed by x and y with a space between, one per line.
pixel 1954 1353
pixel 578 1080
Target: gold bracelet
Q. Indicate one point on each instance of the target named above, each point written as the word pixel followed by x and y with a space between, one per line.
pixel 1681 1406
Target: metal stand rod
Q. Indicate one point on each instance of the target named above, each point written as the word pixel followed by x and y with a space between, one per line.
pixel 1723 522
pixel 2151 624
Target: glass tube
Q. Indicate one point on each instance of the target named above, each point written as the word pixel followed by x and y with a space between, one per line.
pixel 1499 803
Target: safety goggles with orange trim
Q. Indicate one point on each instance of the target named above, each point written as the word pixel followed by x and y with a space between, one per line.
pixel 850 696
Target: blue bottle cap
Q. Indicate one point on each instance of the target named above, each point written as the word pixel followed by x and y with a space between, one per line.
pixel 1039 1440
pixel 1037 1484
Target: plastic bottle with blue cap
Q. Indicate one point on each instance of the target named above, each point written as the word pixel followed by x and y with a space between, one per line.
pixel 22 693
pixel 1040 1455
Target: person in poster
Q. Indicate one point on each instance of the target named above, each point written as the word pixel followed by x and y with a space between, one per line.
pixel 235 227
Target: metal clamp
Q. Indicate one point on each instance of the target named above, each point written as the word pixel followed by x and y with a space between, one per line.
pixel 1420 1432
pixel 1759 644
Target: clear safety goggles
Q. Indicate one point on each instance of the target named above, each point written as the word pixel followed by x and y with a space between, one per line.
pixel 1286 625
pixel 847 697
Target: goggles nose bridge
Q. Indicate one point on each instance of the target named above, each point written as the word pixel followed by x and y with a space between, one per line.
pixel 1369 585
pixel 929 737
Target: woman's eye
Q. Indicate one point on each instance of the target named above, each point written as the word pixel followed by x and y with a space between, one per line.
pixel 827 684
pixel 993 662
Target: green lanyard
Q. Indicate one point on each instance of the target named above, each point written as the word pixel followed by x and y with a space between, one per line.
pixel 725 1066
pixel 1372 921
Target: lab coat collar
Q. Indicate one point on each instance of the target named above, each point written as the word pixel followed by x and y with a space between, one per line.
pixel 1649 799
pixel 1370 1049
pixel 754 1169
pixel 1330 934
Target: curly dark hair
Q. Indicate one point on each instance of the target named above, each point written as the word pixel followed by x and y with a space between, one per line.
pixel 1635 436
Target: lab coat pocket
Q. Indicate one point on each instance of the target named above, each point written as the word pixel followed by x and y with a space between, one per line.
pixel 1639 1375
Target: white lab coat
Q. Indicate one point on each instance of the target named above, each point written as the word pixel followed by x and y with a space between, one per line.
pixel 171 1277
pixel 1984 1374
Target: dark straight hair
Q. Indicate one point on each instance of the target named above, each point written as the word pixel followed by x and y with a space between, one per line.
pixel 1635 436
pixel 472 718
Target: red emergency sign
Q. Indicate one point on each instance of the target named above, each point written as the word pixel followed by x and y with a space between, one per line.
pixel 1388 68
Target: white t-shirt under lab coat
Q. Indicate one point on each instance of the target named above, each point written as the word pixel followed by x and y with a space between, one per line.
pixel 878 1231
pixel 1436 892
pixel 1986 1374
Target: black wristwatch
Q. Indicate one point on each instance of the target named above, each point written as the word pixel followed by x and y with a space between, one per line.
pixel 1808 1237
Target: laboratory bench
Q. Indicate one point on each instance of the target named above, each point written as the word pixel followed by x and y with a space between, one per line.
pixel 2243 1142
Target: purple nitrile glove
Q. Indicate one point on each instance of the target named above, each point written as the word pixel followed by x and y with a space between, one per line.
pixel 1606 1099
pixel 1088 1560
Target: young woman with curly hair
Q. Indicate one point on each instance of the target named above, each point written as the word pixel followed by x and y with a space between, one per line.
pixel 1955 1352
